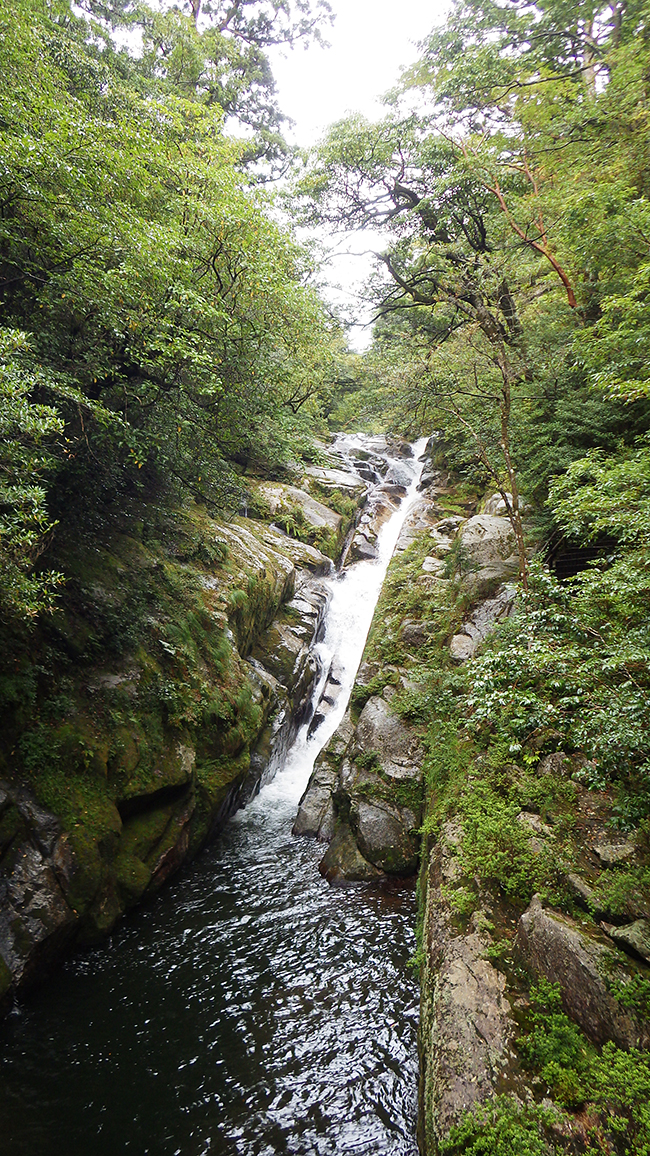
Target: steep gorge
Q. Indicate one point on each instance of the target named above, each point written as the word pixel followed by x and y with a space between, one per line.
pixel 124 769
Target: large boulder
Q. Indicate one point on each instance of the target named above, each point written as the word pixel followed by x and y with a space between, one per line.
pixel 554 946
pixel 344 863
pixel 316 810
pixel 488 551
pixel 397 748
pixel 380 507
pixel 332 479
pixel 316 813
pixel 386 835
pixel 315 513
pixel 36 917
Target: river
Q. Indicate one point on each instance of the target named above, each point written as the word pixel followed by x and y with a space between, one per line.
pixel 250 1009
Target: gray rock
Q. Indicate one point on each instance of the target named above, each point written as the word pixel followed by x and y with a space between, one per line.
pixel 398 749
pixel 343 862
pixel 583 894
pixel 316 514
pixel 337 479
pixel 416 633
pixel 496 505
pixel 488 550
pixel 633 937
pixel 316 809
pixel 303 555
pixel 443 539
pixel 554 946
pixel 386 836
pixel 557 764
pixel 533 822
pixel 35 918
pixel 471 1032
pixel 432 565
pixel 481 624
pixel 417 522
pixel 466 1025
pixel 615 851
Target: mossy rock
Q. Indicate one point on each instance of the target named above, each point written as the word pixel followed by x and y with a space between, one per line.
pixel 87 872
pixel 142 833
pixel 217 778
pixel 343 862
pixel 132 877
pixel 102 916
pixel 170 766
pixel 201 822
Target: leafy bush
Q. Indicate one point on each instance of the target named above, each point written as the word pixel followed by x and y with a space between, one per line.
pixel 500 1128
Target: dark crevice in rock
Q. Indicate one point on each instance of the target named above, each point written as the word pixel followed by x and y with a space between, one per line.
pixel 141 804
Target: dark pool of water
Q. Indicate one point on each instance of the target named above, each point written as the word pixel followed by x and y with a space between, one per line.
pixel 251 1009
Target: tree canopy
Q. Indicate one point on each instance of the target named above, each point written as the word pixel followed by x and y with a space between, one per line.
pixel 168 313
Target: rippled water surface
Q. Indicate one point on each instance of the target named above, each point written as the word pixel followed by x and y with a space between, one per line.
pixel 250 1009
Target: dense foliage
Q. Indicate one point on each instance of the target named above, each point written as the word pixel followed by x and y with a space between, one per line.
pixel 509 176
pixel 160 332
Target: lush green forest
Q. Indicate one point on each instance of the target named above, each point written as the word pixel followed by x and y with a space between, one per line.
pixel 510 176
pixel 158 329
pixel 162 344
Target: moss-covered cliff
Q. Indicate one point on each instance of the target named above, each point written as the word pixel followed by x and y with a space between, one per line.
pixel 169 682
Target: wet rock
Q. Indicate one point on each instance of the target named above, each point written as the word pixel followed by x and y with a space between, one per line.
pixel 343 862
pixel 386 836
pixel 316 812
pixel 36 919
pixel 361 549
pixel 380 507
pixel 316 809
pixel 554 946
pixel 430 476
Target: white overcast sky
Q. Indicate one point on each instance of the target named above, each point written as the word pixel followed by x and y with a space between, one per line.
pixel 370 41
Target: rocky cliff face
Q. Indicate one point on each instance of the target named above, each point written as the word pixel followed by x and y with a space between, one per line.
pixel 156 702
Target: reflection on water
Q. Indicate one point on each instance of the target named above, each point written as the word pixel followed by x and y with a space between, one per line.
pixel 250 1010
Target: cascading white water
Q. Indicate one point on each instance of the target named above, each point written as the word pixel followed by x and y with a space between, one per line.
pixel 354 597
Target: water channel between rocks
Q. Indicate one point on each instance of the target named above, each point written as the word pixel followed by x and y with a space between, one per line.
pixel 250 1010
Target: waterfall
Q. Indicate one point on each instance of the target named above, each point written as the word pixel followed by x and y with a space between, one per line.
pixel 354 594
